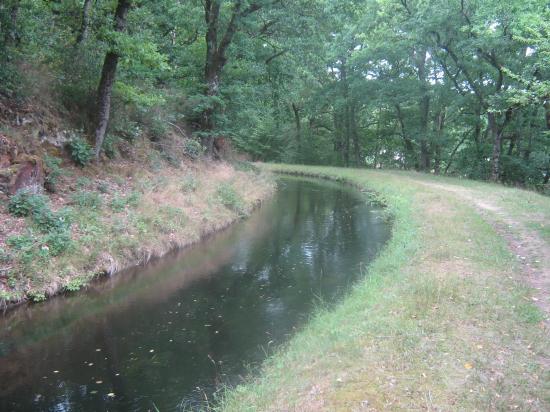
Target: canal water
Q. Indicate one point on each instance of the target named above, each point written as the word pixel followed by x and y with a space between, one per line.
pixel 167 336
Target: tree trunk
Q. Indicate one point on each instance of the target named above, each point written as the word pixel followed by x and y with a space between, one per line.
pixel 85 25
pixel 298 123
pixel 496 132
pixel 547 113
pixel 216 58
pixel 11 35
pixel 338 144
pixel 347 133
pixel 497 146
pixel 439 124
pixel 108 73
pixel 424 108
pixel 409 148
pixel 355 135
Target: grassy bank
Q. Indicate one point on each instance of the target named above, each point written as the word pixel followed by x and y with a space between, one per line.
pixel 447 318
pixel 102 219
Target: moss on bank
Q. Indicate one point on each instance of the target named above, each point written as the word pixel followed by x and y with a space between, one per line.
pixel 443 321
pixel 103 220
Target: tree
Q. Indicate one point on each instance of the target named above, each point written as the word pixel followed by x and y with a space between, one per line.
pixel 108 73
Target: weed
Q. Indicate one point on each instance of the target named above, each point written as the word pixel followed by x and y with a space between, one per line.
pixel 36 296
pixel 25 202
pixel 80 150
pixel 83 182
pixel 192 148
pixel 110 146
pixel 231 199
pixel 189 184
pixel 46 220
pixel 75 284
pixel 245 167
pixel 57 242
pixel 53 172
pixel 169 219
pixel 133 199
pixel 25 246
pixel 103 187
pixel 118 203
pixel 5 256
pixel 88 200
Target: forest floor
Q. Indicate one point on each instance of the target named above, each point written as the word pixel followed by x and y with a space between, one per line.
pixel 453 315
pixel 122 214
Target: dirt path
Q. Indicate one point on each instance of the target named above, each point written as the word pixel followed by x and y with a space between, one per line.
pixel 531 250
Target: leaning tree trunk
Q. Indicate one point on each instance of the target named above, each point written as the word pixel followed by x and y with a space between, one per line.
pixel 85 25
pixel 207 118
pixel 108 73
pixel 11 34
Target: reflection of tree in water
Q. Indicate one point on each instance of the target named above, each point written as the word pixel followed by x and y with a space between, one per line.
pixel 258 283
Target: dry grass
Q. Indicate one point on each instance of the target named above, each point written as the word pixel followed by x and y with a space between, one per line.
pixel 142 213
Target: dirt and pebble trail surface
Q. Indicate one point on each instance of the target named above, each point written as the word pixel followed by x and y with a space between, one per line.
pixel 527 244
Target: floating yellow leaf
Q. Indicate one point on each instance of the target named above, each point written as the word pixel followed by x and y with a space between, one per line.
pixel 468 365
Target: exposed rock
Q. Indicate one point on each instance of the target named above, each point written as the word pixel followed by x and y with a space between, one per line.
pixel 58 139
pixel 8 151
pixel 27 172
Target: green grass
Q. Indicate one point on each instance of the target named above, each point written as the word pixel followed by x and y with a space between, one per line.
pixel 442 321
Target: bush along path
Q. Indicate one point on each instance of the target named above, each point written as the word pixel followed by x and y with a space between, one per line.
pixel 447 318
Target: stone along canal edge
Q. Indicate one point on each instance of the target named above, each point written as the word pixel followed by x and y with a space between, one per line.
pixel 444 320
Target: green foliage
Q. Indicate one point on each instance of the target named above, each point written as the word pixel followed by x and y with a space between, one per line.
pixel 110 146
pixel 189 184
pixel 25 202
pixel 53 172
pixel 5 256
pixel 170 219
pixel 246 167
pixel 82 182
pixel 192 148
pixel 88 200
pixel 58 241
pixel 118 203
pixel 80 150
pixel 231 199
pixel 48 221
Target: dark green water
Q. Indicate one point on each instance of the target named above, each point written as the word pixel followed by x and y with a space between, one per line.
pixel 167 335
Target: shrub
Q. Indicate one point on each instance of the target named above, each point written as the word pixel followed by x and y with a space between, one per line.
pixel 24 244
pixel 82 182
pixel 228 196
pixel 133 199
pixel 54 172
pixel 89 200
pixel 103 187
pixel 110 146
pixel 5 256
pixel 192 148
pixel 189 184
pixel 118 203
pixel 81 152
pixel 47 221
pixel 25 202
pixel 57 242
pixel 246 167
